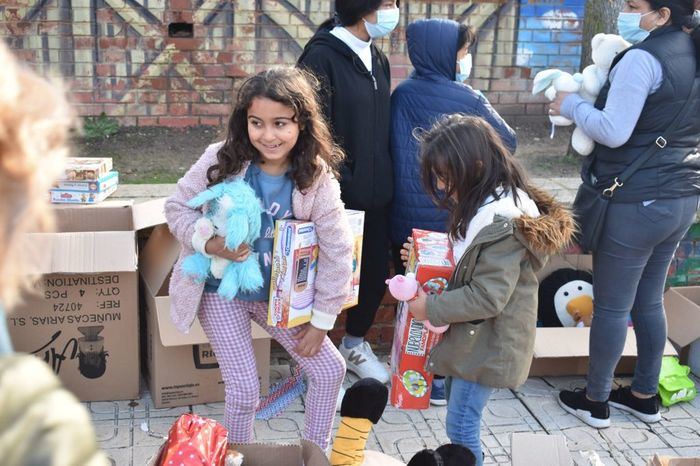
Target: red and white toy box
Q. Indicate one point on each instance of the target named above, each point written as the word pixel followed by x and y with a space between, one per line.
pixel 431 260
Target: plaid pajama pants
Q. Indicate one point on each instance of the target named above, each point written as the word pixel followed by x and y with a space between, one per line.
pixel 227 325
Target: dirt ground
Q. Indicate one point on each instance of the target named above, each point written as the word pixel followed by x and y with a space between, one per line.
pixel 162 155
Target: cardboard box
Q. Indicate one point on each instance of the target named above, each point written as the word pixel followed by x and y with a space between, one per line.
pixel 294 267
pixel 182 368
pixel 86 168
pixel 683 315
pixel 271 454
pixel 564 351
pixel 64 196
pixel 103 184
pixel 431 260
pixel 84 322
pixel 539 449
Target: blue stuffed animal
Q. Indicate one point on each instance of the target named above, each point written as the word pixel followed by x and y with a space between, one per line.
pixel 233 212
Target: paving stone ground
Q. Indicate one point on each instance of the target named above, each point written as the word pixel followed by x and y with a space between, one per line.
pixel 131 431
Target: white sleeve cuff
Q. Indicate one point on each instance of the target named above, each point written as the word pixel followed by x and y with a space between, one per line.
pixel 322 320
pixel 201 235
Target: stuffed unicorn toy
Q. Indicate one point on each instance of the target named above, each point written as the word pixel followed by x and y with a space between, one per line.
pixel 232 211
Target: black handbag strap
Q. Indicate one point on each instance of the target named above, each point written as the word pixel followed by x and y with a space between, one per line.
pixel 659 144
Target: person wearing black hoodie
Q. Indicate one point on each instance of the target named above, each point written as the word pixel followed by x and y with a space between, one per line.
pixel 356 84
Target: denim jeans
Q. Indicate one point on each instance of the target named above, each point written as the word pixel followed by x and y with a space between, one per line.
pixel 465 403
pixel 629 273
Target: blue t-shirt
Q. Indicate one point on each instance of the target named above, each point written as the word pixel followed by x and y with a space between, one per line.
pixel 275 192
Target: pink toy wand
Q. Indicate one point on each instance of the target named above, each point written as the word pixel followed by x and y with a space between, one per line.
pixel 405 288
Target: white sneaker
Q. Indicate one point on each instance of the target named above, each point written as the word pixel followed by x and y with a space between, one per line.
pixel 339 401
pixel 361 361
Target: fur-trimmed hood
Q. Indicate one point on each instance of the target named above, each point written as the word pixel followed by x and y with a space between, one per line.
pixel 548 233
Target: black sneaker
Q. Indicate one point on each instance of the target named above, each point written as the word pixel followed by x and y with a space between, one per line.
pixel 645 409
pixel 594 413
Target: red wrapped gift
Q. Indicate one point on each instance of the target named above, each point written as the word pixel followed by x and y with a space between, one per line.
pixel 194 441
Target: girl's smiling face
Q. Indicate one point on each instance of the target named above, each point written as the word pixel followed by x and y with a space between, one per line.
pixel 273 130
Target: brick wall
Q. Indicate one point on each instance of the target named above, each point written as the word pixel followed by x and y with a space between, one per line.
pixel 175 62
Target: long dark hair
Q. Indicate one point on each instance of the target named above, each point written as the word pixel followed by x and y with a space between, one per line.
pixel 682 14
pixel 469 157
pixel 294 88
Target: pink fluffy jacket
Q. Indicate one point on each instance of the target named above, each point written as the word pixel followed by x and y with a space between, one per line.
pixel 320 204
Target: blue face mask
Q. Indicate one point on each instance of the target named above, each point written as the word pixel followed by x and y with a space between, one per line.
pixel 464 68
pixel 629 28
pixel 387 19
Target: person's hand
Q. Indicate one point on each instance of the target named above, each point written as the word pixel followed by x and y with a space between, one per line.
pixel 555 106
pixel 309 340
pixel 417 306
pixel 216 246
pixel 404 250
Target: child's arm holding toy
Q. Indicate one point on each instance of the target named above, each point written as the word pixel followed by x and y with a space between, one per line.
pixel 484 296
pixel 335 244
pixel 182 218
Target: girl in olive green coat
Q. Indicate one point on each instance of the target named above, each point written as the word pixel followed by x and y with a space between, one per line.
pixel 503 231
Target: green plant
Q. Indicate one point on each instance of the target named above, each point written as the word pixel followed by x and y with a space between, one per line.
pixel 100 127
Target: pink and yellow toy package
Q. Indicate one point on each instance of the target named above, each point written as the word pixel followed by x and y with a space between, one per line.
pixel 430 259
pixel 294 266
pixel 294 261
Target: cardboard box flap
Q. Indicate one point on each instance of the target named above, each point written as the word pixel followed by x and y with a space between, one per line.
pixel 673 461
pixel 104 216
pixel 171 336
pixel 539 449
pixel 683 314
pixel 570 342
pixel 268 454
pixel 149 214
pixel 158 256
pixel 82 252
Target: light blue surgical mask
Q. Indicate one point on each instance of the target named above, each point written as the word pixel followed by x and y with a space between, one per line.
pixel 628 25
pixel 387 20
pixel 464 68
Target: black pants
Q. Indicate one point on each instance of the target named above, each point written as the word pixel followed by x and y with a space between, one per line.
pixel 373 274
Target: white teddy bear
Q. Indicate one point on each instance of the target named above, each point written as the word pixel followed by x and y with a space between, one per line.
pixel 587 84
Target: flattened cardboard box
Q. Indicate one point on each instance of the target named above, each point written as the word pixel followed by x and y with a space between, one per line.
pixel 539 450
pixel 84 321
pixel 182 368
pixel 564 351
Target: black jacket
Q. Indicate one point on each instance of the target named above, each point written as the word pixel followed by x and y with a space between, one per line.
pixel 673 171
pixel 357 106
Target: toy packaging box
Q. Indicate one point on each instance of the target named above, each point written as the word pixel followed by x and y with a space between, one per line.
pixel 294 266
pixel 89 186
pixel 86 168
pixel 430 258
pixel 68 196
pixel 294 261
pixel 357 225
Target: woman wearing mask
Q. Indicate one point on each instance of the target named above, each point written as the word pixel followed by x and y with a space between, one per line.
pixel 356 84
pixel 651 211
pixel 439 52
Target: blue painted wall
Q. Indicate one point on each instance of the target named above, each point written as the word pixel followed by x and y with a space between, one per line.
pixel 549 34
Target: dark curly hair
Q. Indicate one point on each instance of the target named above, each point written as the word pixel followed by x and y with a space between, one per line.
pixel 313 151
